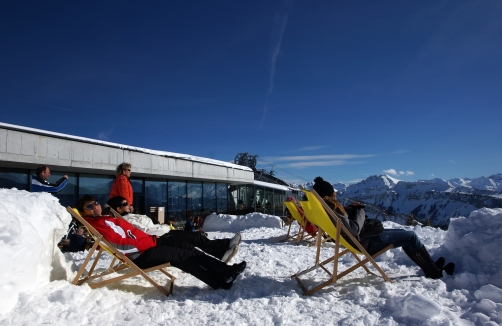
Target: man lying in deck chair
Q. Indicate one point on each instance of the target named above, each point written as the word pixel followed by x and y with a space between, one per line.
pixel 223 249
pixel 409 240
pixel 148 251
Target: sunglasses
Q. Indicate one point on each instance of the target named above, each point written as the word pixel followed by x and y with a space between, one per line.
pixel 128 170
pixel 124 204
pixel 91 205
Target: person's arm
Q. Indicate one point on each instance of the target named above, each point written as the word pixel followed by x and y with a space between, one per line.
pixel 145 224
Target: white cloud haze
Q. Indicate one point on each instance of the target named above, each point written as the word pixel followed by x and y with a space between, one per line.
pixel 396 173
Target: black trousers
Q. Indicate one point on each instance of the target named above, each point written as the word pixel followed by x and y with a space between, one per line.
pixel 216 248
pixel 187 258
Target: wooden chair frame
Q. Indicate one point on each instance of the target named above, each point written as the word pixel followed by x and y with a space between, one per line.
pixel 123 263
pixel 316 211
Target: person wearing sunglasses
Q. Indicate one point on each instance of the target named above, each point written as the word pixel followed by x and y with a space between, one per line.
pixel 224 249
pixel 147 250
pixel 122 186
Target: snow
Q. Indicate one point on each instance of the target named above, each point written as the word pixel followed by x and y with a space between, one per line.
pixel 36 286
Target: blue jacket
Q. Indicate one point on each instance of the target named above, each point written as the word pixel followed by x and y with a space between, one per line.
pixel 39 185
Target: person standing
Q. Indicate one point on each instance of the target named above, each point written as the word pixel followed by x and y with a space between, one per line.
pixel 122 186
pixel 39 181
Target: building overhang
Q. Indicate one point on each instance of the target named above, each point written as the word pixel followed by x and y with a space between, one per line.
pixel 23 147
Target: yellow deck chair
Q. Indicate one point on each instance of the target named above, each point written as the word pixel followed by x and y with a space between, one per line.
pixel 297 216
pixel 316 211
pixel 123 263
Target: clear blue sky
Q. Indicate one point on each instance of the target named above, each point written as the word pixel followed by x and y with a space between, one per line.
pixel 341 89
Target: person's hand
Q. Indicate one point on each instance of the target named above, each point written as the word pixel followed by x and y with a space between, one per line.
pixel 65 176
pixel 132 208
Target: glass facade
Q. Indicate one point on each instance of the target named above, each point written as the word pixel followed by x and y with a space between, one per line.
pixel 180 199
pixel 221 197
pixel 176 200
pixel 96 185
pixel 19 179
pixel 209 197
pixel 194 198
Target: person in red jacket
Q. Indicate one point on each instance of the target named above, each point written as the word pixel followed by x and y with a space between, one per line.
pixel 122 186
pixel 147 250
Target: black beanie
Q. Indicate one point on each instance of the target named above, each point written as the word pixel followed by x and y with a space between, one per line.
pixel 323 188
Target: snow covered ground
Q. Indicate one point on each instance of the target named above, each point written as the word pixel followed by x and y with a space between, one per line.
pixel 36 289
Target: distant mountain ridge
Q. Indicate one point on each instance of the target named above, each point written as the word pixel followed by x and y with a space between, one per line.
pixel 387 198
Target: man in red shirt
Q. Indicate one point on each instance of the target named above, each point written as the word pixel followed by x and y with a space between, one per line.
pixel 148 251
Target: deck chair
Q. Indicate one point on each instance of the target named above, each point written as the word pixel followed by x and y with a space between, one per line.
pixel 299 217
pixel 298 214
pixel 123 263
pixel 316 211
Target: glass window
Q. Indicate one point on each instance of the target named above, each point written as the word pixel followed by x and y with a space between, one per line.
pixel 221 197
pixel 269 201
pixel 155 194
pixel 68 195
pixel 232 197
pixel 176 201
pixel 194 198
pixel 137 186
pixel 15 179
pixel 259 200
pixel 96 185
pixel 279 198
pixel 209 197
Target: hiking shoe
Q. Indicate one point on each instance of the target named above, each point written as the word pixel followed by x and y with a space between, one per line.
pixel 449 268
pixel 233 271
pixel 440 262
pixel 235 240
pixel 229 254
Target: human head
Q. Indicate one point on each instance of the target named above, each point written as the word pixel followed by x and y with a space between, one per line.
pixel 119 204
pixel 124 168
pixel 88 206
pixel 323 188
pixel 43 172
pixel 80 230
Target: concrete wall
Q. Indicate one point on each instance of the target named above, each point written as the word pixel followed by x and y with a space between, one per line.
pixel 27 149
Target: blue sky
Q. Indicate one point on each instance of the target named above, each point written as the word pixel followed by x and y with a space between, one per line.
pixel 340 89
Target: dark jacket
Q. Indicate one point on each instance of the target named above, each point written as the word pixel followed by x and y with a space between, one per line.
pixel 39 185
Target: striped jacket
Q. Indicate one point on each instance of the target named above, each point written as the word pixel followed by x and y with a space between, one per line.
pixel 40 185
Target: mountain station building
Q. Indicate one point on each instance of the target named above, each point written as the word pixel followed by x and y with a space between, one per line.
pixel 178 184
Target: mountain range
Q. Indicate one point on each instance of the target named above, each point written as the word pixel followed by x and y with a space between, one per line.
pixel 432 201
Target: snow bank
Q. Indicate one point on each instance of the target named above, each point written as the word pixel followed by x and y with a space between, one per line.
pixel 30 226
pixel 474 244
pixel 264 294
pixel 234 223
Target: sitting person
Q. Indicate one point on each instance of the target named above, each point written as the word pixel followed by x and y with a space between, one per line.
pixel 148 251
pixel 223 249
pixel 77 241
pixel 410 242
pixel 189 227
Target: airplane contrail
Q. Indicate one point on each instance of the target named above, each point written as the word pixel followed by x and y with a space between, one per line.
pixel 280 22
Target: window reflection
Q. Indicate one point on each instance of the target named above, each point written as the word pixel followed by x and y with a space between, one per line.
pixel 176 200
pixel 14 179
pixel 194 198
pixel 98 186
pixel 209 197
pixel 155 194
pixel 221 197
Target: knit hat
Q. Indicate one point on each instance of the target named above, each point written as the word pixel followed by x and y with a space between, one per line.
pixel 323 188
